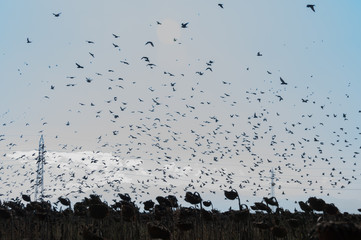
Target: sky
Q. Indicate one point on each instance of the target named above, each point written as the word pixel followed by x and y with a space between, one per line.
pixel 205 100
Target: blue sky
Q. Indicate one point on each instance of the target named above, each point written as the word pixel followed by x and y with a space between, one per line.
pixel 198 117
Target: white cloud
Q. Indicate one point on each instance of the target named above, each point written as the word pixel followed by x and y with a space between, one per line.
pixel 79 174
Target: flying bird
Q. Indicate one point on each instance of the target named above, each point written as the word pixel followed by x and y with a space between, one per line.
pixel 28 40
pixel 116 36
pixel 89 41
pixel 220 5
pixel 283 82
pixel 259 54
pixel 56 14
pixel 184 25
pixel 150 43
pixel 312 6
pixel 145 59
pixel 78 66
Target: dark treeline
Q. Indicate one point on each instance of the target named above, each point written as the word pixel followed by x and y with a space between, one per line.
pixel 94 219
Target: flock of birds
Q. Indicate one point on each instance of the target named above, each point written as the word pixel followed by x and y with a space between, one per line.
pixel 174 126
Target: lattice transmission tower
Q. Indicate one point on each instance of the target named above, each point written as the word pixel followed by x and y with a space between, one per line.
pixel 272 183
pixel 273 186
pixel 39 185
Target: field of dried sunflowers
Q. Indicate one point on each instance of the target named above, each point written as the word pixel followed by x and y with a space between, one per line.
pixel 93 219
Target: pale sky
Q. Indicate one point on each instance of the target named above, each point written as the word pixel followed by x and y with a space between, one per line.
pixel 235 115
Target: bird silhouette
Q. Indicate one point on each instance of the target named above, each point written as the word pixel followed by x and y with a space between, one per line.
pixel 78 66
pixel 282 81
pixel 28 40
pixel 184 25
pixel 150 43
pixel 145 59
pixel 311 6
pixel 56 14
pixel 151 65
pixel 220 5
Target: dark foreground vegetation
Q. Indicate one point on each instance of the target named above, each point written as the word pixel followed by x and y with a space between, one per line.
pixel 93 219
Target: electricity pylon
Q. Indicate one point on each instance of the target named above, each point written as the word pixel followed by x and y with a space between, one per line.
pixel 39 185
pixel 272 183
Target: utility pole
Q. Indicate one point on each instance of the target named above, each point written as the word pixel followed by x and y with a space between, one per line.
pixel 39 185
